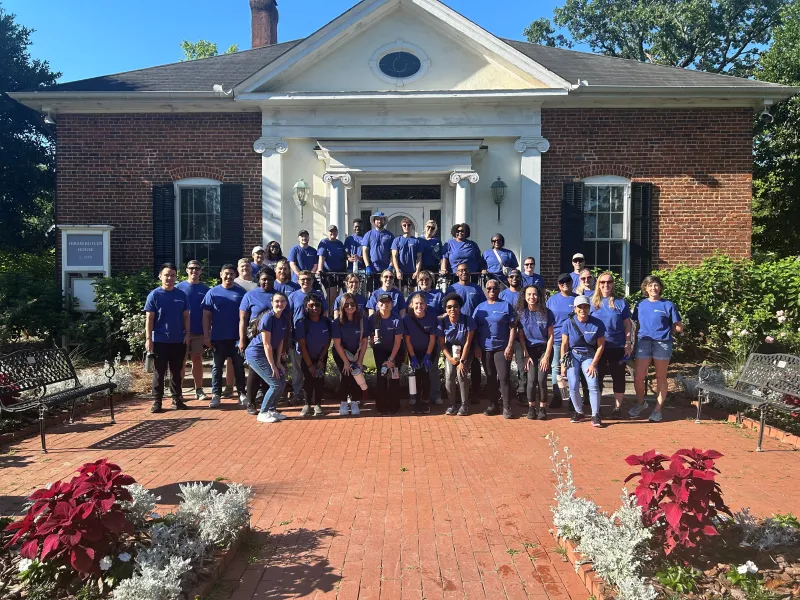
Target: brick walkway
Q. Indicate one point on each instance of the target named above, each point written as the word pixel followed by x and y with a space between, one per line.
pixel 401 507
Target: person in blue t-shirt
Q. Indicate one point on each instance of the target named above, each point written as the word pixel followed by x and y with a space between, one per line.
pixel 331 262
pixel 473 295
pixel 283 278
pixel 258 254
pixel 586 285
pixel 302 257
pixel 352 285
pixel 388 287
pixel 562 306
pixel 431 247
pixel 264 357
pixel 535 335
pixel 499 260
pixel 659 321
pixel 420 337
pixel 406 255
pixel 273 255
pixel 386 338
pixel 529 277
pixel 296 309
pixel 433 298
pixel 461 250
pixel 254 305
pixel 456 333
pixel 376 249
pixel 167 333
pixel 583 339
pixel 511 295
pixel 350 333
pixel 313 335
pixel 195 291
pixel 578 261
pixel 496 322
pixel 221 333
pixel 353 244
pixel 616 316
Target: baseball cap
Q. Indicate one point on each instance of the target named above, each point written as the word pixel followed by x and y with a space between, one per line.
pixel 257 249
pixel 580 300
pixel 302 232
pixel 384 297
pixel 333 228
pixel 578 255
pixel 565 278
pixel 514 272
pixel 378 215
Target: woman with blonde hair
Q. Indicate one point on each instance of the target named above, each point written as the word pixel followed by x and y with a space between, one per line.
pixel 616 316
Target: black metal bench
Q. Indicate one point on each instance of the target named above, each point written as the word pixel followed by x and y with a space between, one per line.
pixel 25 375
pixel 764 383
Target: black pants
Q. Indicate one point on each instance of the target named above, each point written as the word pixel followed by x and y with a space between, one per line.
pixel 347 383
pixel 221 351
pixel 475 376
pixel 387 397
pixel 312 386
pixel 536 388
pixel 609 365
pixel 498 371
pixel 168 356
pixel 254 383
pixel 423 380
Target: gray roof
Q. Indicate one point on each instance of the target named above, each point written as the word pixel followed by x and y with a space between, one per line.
pixel 231 69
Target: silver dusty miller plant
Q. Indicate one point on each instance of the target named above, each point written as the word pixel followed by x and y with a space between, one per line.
pixel 152 583
pixel 219 516
pixel 142 506
pixel 766 534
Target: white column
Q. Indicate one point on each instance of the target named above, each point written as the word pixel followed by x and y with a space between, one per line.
pixel 271 150
pixel 338 183
pixel 531 149
pixel 461 180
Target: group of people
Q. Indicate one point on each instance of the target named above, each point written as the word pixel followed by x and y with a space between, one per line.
pixel 275 313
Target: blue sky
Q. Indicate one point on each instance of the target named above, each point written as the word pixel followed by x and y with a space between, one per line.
pixel 85 38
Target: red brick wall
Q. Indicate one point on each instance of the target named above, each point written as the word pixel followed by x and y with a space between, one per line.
pixel 107 166
pixel 699 161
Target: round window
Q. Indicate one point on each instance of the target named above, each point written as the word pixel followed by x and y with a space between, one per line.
pixel 400 65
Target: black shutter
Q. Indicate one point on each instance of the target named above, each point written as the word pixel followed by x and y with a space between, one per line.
pixel 571 223
pixel 232 234
pixel 641 250
pixel 163 225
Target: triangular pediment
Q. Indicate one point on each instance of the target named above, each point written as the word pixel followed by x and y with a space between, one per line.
pixel 454 54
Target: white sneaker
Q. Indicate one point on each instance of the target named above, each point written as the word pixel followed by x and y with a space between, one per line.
pixel 243 399
pixel 354 409
pixel 215 401
pixel 266 417
pixel 278 415
pixel 637 409
pixel 200 394
pixel 343 412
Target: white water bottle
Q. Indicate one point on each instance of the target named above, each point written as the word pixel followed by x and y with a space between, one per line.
pixel 456 352
pixel 359 377
pixel 412 386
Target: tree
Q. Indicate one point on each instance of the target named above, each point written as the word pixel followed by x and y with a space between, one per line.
pixel 27 152
pixel 718 36
pixel 776 170
pixel 203 49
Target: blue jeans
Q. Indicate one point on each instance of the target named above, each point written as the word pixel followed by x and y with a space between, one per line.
pixel 259 363
pixel 555 362
pixel 580 363
pixel 655 349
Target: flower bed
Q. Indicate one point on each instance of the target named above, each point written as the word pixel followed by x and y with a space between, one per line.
pixel 97 536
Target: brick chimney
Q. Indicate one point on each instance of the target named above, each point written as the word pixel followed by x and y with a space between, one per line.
pixel 264 20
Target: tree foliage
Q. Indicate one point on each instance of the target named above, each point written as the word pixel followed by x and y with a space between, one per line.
pixel 203 49
pixel 718 36
pixel 776 171
pixel 27 160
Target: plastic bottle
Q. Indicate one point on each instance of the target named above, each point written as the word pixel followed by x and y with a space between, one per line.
pixel 384 371
pixel 149 362
pixel 359 376
pixel 377 336
pixel 412 387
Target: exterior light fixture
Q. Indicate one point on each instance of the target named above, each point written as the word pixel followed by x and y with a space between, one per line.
pixel 498 193
pixel 301 189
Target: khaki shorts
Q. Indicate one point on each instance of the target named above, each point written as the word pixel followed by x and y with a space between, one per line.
pixel 195 344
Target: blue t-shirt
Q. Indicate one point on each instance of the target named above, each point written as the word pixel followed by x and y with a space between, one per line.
pixel 169 308
pixel 614 321
pixel 351 333
pixel 583 336
pixel 656 319
pixel 510 296
pixel 471 293
pixel 334 254
pixel 467 252
pixel 434 301
pixel 398 301
pixel 388 327
pixel 305 258
pixel 456 333
pixel 420 330
pixel 316 334
pixel 296 300
pixel 286 288
pixel 562 307
pixel 494 323
pixel 195 292
pixel 407 250
pixel 224 307
pixel 576 280
pixel 352 244
pixel 534 279
pixel 361 302
pixel 535 325
pixel 507 256
pixel 256 302
pixel 278 328
pixel 431 252
pixel 379 247
pixel 255 269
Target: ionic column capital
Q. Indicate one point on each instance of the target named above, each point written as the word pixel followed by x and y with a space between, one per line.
pixel 531 143
pixel 270 146
pixel 457 176
pixel 345 178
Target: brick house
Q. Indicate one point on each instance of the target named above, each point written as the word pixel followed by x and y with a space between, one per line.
pixel 407 107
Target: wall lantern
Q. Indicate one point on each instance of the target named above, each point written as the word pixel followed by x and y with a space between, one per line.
pixel 300 193
pixel 498 193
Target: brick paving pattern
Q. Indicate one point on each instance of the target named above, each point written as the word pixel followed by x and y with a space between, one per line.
pixel 394 507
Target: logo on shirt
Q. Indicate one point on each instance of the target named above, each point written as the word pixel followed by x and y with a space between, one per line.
pixel 658 310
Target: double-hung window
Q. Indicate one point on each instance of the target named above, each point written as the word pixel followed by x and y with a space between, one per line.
pixel 606 229
pixel 198 221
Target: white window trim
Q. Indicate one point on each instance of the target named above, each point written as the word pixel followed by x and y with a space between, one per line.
pixel 189 182
pixel 399 46
pixel 626 219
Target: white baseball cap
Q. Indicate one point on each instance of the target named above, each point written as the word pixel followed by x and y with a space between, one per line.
pixel 257 249
pixel 580 300
pixel 577 255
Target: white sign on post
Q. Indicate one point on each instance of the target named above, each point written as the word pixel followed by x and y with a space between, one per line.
pixel 85 257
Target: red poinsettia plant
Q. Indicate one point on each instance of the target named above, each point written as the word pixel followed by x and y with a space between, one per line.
pixel 76 522
pixel 682 499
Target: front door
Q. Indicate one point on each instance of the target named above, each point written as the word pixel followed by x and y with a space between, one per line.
pixel 416 202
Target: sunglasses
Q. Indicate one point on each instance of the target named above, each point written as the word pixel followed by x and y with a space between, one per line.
pixel 304 279
pixel 586 278
pixel 194 268
pixel 513 276
pixel 605 282
pixel 349 305
pixel 406 224
pixel 529 265
pixel 496 241
pixel 578 260
pixel 460 231
pixel 452 306
pixel 495 288
pixel 430 227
